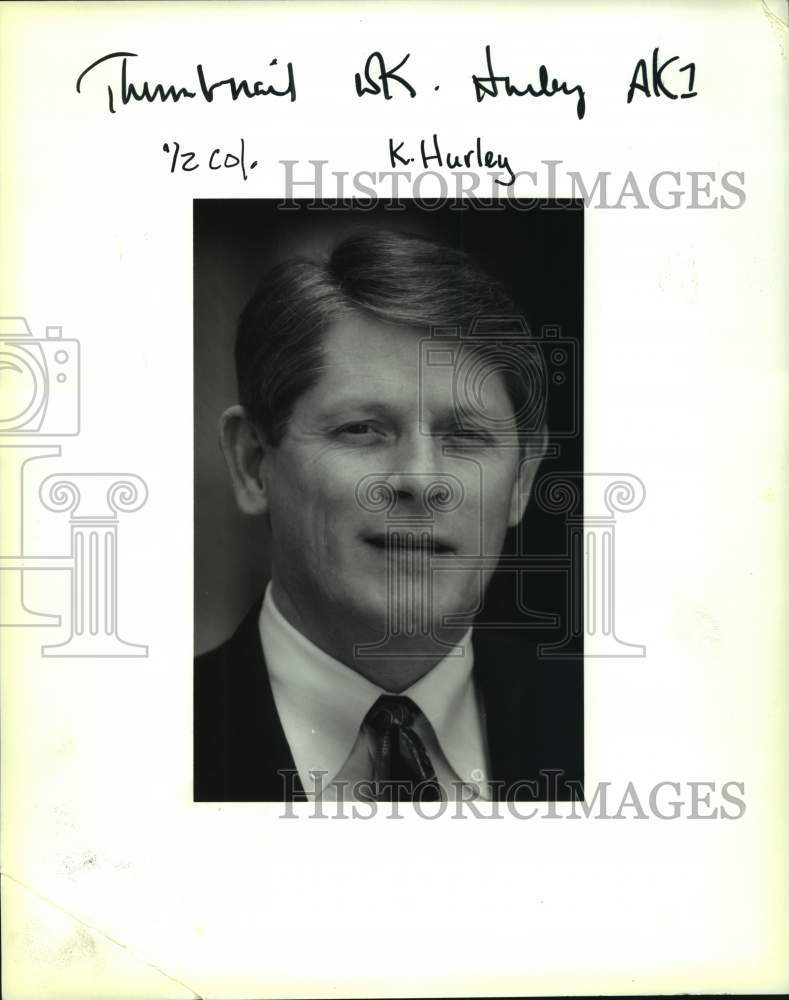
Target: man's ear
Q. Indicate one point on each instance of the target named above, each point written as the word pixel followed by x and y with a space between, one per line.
pixel 244 449
pixel 532 454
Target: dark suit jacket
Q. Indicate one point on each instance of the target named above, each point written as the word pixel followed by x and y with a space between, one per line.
pixel 533 711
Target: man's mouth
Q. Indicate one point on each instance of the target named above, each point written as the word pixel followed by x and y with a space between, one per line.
pixel 407 542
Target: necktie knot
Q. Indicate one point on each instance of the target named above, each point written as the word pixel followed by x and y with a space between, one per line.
pixel 392 710
pixel 400 761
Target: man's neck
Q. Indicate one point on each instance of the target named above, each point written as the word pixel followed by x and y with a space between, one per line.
pixel 394 663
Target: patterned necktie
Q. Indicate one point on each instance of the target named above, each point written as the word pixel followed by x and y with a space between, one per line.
pixel 400 761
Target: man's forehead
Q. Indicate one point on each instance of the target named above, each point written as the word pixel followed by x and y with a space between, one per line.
pixel 370 365
pixel 365 342
pixel 436 397
pixel 367 336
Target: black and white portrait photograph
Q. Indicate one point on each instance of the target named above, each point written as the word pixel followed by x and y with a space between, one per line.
pixel 399 382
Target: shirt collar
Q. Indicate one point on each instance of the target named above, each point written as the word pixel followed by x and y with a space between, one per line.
pixel 447 699
pixel 322 702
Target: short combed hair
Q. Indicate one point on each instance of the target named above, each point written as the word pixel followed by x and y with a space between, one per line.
pixel 399 279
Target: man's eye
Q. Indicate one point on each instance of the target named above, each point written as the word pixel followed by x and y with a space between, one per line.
pixel 469 435
pixel 359 429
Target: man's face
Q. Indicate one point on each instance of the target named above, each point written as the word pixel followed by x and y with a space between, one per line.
pixel 374 495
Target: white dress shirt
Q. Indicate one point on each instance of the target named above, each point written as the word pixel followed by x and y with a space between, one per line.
pixel 322 703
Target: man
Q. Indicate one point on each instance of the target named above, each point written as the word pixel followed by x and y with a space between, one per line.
pixel 389 431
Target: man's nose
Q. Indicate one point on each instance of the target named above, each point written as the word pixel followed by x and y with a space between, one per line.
pixel 418 478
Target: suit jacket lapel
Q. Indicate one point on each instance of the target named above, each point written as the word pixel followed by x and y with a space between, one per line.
pixel 534 717
pixel 503 693
pixel 249 746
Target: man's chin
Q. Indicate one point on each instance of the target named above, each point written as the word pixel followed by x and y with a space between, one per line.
pixel 409 619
